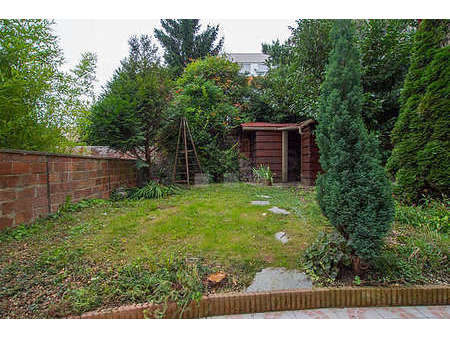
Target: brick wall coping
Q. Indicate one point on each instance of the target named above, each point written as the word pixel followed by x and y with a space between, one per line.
pixel 42 153
pixel 284 300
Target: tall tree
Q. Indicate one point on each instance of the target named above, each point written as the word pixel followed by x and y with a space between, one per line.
pixel 385 47
pixel 40 104
pixel 353 192
pixel 129 112
pixel 420 160
pixel 183 42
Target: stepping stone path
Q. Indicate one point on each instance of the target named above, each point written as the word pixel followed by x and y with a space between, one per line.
pixel 277 210
pixel 264 196
pixel 279 279
pixel 282 237
pixel 260 202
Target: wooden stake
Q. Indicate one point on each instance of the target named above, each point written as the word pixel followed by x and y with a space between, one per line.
pixel 176 154
pixel 186 150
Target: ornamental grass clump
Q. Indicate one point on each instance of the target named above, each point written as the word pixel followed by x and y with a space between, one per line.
pixel 353 192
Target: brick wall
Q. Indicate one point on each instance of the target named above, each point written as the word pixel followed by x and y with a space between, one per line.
pixel 34 184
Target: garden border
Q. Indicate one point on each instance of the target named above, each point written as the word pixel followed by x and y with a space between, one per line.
pixel 284 300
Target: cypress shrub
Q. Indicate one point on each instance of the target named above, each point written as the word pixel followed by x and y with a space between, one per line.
pixel 354 192
pixel 420 160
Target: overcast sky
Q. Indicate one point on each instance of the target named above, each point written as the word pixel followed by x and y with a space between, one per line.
pixel 108 38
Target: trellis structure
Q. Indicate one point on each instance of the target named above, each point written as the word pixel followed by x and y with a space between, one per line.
pixel 187 165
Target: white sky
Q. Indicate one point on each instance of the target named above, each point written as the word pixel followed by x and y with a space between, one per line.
pixel 109 38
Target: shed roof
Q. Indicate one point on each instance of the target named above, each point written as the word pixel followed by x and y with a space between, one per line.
pixel 268 126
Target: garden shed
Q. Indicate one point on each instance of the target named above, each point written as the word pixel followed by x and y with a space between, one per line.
pixel 289 149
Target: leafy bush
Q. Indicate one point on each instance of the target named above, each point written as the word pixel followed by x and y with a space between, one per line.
pixel 326 258
pixel 209 95
pixel 263 174
pixel 153 190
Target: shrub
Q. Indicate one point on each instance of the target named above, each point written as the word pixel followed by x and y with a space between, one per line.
pixel 153 190
pixel 208 94
pixel 354 192
pixel 327 257
pixel 420 160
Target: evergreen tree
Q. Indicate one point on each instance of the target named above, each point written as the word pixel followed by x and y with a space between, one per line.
pixel 128 115
pixel 420 160
pixel 183 42
pixel 353 192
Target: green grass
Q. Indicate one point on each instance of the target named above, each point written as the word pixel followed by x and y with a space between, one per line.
pixel 98 254
pixel 91 256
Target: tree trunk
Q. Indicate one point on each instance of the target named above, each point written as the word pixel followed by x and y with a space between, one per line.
pixel 356 262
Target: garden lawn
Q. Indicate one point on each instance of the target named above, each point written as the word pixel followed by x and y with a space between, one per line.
pixel 113 253
pixel 97 254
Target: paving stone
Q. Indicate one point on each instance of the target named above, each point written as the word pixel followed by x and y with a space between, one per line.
pixel 282 237
pixel 279 279
pixel 277 210
pixel 264 196
pixel 399 312
pixel 353 313
pixel 260 202
pixel 434 311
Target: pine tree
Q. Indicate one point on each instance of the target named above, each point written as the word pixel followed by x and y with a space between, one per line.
pixel 354 192
pixel 183 42
pixel 420 160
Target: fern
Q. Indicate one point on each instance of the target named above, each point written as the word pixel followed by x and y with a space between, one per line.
pixel 153 190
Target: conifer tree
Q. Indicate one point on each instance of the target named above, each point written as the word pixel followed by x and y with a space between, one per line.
pixel 183 42
pixel 353 192
pixel 420 160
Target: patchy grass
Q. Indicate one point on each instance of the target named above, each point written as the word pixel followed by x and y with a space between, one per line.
pixel 98 254
pixel 102 253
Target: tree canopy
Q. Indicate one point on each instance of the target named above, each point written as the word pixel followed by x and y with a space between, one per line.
pixel 128 115
pixel 183 42
pixel 41 106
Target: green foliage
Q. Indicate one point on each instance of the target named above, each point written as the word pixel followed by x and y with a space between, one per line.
pixel 420 160
pixel 160 281
pixel 431 214
pixel 128 115
pixel 385 47
pixel 354 192
pixel 263 174
pixel 208 94
pixel 153 190
pixel 27 230
pixel 40 105
pixel 412 256
pixel 291 89
pixel 183 42
pixel 327 257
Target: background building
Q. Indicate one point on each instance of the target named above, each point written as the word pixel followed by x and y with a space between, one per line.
pixel 252 64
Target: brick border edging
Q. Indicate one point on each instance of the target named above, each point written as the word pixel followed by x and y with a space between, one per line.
pixel 284 300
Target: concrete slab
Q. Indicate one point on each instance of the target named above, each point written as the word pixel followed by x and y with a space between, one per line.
pixel 260 202
pixel 277 210
pixel 418 312
pixel 282 237
pixel 279 279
